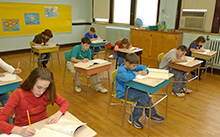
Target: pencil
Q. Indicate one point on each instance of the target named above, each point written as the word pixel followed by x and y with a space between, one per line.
pixel 147 67
pixel 81 56
pixel 18 65
pixel 29 120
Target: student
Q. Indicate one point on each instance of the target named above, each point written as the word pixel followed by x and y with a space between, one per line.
pixel 82 53
pixel 41 40
pixel 4 97
pixel 196 45
pixel 174 55
pixel 91 34
pixel 121 45
pixel 126 72
pixel 37 91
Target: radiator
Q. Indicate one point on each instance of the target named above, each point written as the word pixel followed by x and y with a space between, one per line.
pixel 214 44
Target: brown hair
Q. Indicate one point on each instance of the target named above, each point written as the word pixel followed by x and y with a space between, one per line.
pixel 93 29
pixel 182 48
pixel 123 41
pixel 48 33
pixel 42 74
pixel 199 39
pixel 132 58
pixel 85 40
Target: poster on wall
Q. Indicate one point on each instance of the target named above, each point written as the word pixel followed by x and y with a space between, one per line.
pixel 51 12
pixel 11 25
pixel 32 18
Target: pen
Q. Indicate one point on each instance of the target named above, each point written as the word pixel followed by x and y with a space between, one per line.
pixel 18 65
pixel 81 56
pixel 29 120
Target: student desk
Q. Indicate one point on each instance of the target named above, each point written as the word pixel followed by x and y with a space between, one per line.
pixel 136 50
pixel 83 131
pixel 188 67
pixel 97 43
pixel 150 86
pixel 94 69
pixel 47 49
pixel 7 86
pixel 206 56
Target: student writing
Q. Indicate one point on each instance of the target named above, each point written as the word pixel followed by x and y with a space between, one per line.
pixel 34 94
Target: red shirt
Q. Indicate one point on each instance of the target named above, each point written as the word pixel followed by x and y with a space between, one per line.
pixel 20 102
pixel 118 44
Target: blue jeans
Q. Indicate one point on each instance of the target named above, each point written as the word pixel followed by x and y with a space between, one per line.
pixel 120 59
pixel 96 51
pixel 178 76
pixel 4 98
pixel 142 99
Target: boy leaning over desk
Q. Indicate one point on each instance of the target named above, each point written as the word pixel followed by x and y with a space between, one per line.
pixel 82 53
pixel 175 55
pixel 127 72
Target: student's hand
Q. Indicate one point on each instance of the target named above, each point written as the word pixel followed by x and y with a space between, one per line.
pixel 29 131
pixel 2 75
pixel 54 118
pixel 137 73
pixel 17 71
pixel 184 60
pixel 85 60
pixel 47 43
pixel 42 44
pixel 143 72
pixel 202 50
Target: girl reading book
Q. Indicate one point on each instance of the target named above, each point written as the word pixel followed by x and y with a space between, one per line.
pixel 34 94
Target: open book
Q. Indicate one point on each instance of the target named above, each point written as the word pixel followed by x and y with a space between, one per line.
pixel 189 59
pixel 63 128
pixel 97 41
pixel 155 73
pixel 8 77
pixel 51 45
pixel 89 63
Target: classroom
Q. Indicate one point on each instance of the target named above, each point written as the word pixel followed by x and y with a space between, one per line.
pixel 186 104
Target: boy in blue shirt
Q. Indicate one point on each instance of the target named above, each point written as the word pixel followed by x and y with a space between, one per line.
pixel 91 34
pixel 82 53
pixel 127 72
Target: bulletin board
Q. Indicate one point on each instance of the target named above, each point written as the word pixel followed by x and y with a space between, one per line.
pixel 18 19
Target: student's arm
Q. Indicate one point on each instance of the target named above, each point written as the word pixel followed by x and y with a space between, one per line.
pixel 64 105
pixel 178 60
pixel 119 49
pixel 35 44
pixel 200 50
pixel 95 37
pixel 6 67
pixel 125 76
pixel 38 41
pixel 141 69
pixel 47 43
pixel 74 60
pixel 26 132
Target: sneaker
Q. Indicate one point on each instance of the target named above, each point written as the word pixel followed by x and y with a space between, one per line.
pixel 178 94
pixel 156 118
pixel 186 90
pixel 136 123
pixel 78 89
pixel 101 89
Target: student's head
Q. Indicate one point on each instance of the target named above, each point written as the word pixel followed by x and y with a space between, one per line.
pixel 181 50
pixel 200 40
pixel 131 61
pixel 48 34
pixel 92 31
pixel 85 42
pixel 124 43
pixel 39 82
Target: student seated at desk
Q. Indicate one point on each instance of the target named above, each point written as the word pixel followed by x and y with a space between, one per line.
pixel 4 97
pixel 127 72
pixel 174 55
pixel 91 34
pixel 196 45
pixel 121 45
pixel 34 94
pixel 82 53
pixel 42 39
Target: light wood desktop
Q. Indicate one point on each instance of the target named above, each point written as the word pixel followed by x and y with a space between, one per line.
pixel 94 69
pixel 150 86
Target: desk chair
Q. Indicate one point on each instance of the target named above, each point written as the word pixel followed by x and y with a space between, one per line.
pixel 123 102
pixel 159 58
pixel 108 46
pixel 66 55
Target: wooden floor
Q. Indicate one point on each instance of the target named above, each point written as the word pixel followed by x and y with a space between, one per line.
pixel 198 115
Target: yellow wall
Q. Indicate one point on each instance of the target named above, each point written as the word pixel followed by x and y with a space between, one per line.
pixel 17 11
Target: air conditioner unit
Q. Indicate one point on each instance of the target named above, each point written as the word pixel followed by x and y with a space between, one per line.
pixel 193 19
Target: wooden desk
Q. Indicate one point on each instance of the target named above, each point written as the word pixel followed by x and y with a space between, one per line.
pixel 188 67
pixel 97 43
pixel 136 50
pixel 150 86
pixel 47 49
pixel 88 71
pixel 206 56
pixel 7 86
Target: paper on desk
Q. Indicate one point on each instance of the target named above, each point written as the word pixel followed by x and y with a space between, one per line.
pixel 189 59
pixel 97 41
pixel 155 73
pixel 206 51
pixel 8 77
pixel 16 135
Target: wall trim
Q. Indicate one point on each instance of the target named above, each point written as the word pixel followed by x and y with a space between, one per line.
pixel 85 23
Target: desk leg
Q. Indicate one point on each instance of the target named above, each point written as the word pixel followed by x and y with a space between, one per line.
pixel 93 52
pixel 212 67
pixel 109 82
pixel 166 100
pixel 150 97
pixel 116 63
pixel 126 95
pixel 58 58
pixel 74 85
pixel 88 84
pixel 186 88
pixel 197 80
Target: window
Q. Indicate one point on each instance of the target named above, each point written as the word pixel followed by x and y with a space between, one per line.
pixel 122 11
pixel 101 10
pixel 147 11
